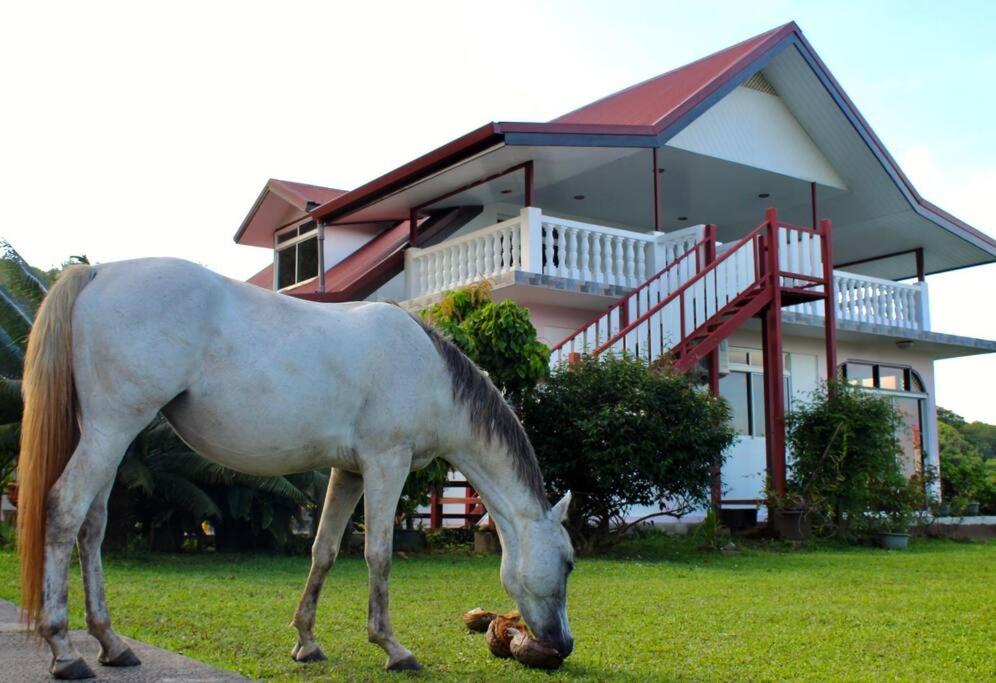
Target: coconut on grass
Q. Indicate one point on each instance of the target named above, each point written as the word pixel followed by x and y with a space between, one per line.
pixel 507 636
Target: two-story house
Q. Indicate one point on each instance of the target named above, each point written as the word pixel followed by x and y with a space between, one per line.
pixel 737 212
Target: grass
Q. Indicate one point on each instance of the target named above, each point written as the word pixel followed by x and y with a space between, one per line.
pixel 657 610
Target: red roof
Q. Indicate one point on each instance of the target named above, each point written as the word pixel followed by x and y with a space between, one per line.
pixel 301 194
pixel 652 102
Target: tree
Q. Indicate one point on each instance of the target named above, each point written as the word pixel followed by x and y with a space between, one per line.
pixel 166 492
pixel 845 461
pixel 968 461
pixel 499 337
pixel 617 433
pixel 22 288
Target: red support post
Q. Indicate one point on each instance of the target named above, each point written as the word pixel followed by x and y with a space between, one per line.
pixel 774 380
pixel 412 226
pixel 528 191
pixel 920 276
pixel 655 176
pixel 435 510
pixel 829 300
pixel 716 492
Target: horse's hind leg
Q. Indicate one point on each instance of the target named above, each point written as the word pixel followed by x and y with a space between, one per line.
pixel 345 489
pixel 113 651
pixel 89 472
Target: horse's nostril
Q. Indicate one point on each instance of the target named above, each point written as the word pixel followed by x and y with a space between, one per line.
pixel 566 647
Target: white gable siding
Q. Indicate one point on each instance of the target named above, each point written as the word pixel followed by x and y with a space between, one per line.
pixel 756 129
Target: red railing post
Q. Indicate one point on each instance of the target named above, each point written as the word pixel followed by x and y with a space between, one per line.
pixel 830 299
pixel 771 340
pixel 713 361
pixel 435 510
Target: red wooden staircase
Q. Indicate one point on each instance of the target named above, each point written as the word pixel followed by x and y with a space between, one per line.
pixel 689 308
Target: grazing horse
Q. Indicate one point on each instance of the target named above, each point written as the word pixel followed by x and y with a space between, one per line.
pixel 267 385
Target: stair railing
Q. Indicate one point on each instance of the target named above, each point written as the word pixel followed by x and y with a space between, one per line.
pixel 694 302
pixel 649 293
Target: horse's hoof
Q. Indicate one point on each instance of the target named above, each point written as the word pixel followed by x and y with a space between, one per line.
pixel 304 655
pixel 409 663
pixel 71 671
pixel 126 658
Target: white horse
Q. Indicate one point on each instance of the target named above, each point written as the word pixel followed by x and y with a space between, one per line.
pixel 265 384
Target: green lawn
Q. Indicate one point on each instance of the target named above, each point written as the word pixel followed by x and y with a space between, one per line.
pixel 660 611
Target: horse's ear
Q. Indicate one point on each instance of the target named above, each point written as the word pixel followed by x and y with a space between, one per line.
pixel 560 509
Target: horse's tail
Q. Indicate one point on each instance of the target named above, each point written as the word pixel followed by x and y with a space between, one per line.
pixel 49 429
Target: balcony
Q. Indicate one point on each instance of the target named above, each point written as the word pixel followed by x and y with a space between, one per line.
pixel 560 250
pixel 553 248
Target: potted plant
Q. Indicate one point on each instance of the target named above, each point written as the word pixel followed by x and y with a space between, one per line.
pixel 971 508
pixel 894 526
pixel 790 519
pixel 416 493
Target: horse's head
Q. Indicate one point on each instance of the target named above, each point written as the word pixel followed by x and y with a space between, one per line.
pixel 535 574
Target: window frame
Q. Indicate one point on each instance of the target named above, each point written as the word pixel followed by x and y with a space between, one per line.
pixel 304 230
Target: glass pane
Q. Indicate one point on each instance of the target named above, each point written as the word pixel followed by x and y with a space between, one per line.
pixel 860 374
pixel 733 388
pixel 738 355
pixel 916 384
pixel 757 402
pixel 307 259
pixel 910 436
pixel 891 378
pixel 289 235
pixel 285 267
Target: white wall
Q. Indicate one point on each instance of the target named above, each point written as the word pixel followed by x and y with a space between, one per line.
pixel 756 129
pixel 343 240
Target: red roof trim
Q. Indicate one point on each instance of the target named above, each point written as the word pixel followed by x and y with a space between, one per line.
pixel 436 160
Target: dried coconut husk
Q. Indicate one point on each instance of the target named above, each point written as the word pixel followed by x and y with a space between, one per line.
pixel 501 631
pixel 478 619
pixel 534 653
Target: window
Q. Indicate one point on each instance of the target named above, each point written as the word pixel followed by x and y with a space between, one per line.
pixel 894 381
pixel 887 377
pixel 296 254
pixel 743 389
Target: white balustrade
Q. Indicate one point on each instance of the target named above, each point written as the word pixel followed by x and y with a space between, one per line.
pixel 534 243
pixel 871 300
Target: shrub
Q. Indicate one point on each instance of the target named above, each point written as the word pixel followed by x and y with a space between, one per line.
pixel 499 337
pixel 845 464
pixel 617 434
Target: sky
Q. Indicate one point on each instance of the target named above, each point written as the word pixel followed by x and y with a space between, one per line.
pixel 136 129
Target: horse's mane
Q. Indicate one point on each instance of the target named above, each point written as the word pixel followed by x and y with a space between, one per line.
pixel 491 416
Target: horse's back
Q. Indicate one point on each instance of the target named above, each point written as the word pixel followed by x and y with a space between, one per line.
pixel 253 379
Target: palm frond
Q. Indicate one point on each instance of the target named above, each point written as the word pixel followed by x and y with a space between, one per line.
pixel 16 319
pixel 135 474
pixel 24 281
pixel 11 356
pixel 11 403
pixel 187 495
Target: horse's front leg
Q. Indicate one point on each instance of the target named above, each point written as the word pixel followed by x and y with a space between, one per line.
pixel 113 651
pixel 345 489
pixel 383 478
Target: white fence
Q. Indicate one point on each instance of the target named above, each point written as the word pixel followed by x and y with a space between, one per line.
pixel 534 243
pixel 865 299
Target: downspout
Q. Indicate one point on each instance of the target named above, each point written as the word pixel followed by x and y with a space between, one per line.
pixel 321 257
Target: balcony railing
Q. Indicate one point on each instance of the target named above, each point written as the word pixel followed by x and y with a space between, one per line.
pixel 544 245
pixel 871 300
pixel 556 247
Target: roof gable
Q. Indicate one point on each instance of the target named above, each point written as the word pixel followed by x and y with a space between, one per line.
pixel 654 101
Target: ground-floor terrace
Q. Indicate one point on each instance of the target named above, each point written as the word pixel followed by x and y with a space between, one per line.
pixel 894 361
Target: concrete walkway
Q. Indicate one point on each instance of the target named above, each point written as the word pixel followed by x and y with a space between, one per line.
pixel 24 660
